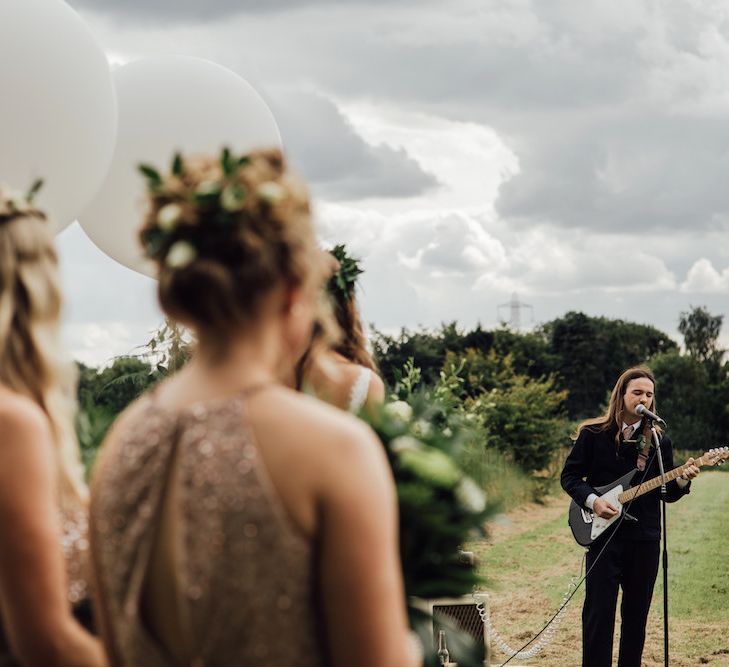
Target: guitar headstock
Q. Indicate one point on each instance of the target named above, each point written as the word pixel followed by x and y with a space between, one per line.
pixel 715 456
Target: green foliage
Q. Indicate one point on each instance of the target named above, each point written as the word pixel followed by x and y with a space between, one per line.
pixel 522 417
pixel 426 349
pixel 478 372
pixel 440 505
pixel 700 330
pixel 406 380
pixel 593 351
pixel 344 279
pixel 103 394
pixel 696 405
pixel 584 354
pixel 118 385
pixel 92 423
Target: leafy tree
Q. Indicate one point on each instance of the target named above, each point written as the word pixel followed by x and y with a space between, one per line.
pixel 531 352
pixel 694 406
pixel 478 371
pixel 693 389
pixel 103 394
pixel 522 416
pixel 523 421
pixel 591 353
pixel 426 349
pixel 700 330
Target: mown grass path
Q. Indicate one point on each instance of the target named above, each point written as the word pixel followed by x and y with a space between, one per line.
pixel 531 558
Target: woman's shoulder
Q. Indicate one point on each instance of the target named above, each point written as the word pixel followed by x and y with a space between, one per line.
pixel 21 416
pixel 319 419
pixel 27 439
pixel 330 444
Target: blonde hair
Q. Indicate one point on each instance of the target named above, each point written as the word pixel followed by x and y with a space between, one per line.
pixel 31 360
pixel 614 416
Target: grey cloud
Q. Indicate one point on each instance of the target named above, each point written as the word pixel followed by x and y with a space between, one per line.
pixel 335 159
pixel 602 107
pixel 191 11
pixel 628 174
pixel 600 101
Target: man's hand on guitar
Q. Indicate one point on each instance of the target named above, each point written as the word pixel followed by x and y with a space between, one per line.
pixel 690 471
pixel 604 509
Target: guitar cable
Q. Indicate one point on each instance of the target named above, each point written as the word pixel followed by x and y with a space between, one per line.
pixel 597 558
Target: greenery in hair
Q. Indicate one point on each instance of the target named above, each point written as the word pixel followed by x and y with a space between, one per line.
pixel 15 204
pixel 180 201
pixel 344 280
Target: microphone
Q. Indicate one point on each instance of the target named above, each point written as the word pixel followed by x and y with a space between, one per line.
pixel 645 412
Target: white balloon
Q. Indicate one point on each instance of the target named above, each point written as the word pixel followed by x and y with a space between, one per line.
pixel 57 106
pixel 169 104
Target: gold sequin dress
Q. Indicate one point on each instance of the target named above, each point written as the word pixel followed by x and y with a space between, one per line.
pixel 196 562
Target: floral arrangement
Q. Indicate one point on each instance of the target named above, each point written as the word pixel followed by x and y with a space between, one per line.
pixel 185 196
pixel 344 279
pixel 441 509
pixel 441 506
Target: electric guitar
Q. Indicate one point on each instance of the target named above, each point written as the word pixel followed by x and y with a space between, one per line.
pixel 587 526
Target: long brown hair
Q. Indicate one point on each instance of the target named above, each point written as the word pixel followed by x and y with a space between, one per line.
pixel 614 416
pixel 352 344
pixel 32 363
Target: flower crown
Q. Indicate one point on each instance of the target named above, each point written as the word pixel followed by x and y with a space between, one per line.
pixel 16 205
pixel 182 201
pixel 344 280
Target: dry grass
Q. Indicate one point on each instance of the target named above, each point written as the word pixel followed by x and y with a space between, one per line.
pixel 531 557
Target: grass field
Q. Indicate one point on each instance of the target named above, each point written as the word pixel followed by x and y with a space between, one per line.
pixel 531 558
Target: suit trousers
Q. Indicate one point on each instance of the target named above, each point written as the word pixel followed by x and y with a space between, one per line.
pixel 631 565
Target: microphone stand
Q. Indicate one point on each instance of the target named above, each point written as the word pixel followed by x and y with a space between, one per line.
pixel 657 444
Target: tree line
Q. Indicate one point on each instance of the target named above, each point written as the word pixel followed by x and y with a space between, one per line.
pixel 526 391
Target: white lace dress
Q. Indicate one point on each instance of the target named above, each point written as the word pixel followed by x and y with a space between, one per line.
pixel 359 391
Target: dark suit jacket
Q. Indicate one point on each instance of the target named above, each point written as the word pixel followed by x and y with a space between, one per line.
pixel 595 460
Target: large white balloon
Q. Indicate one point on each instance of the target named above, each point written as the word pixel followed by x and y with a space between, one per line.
pixel 169 104
pixel 57 107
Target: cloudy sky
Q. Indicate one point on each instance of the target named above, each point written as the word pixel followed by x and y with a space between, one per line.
pixel 573 152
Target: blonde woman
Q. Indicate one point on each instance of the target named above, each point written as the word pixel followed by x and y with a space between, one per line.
pixel 42 495
pixel 229 513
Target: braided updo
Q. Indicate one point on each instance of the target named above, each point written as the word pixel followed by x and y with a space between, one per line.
pixel 224 232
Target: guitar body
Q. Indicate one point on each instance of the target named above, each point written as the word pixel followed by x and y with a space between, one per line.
pixel 586 526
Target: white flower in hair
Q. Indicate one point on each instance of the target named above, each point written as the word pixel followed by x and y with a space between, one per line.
pixel 271 192
pixel 168 216
pixel 180 254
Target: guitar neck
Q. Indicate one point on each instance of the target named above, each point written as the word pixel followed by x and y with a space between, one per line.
pixel 646 487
